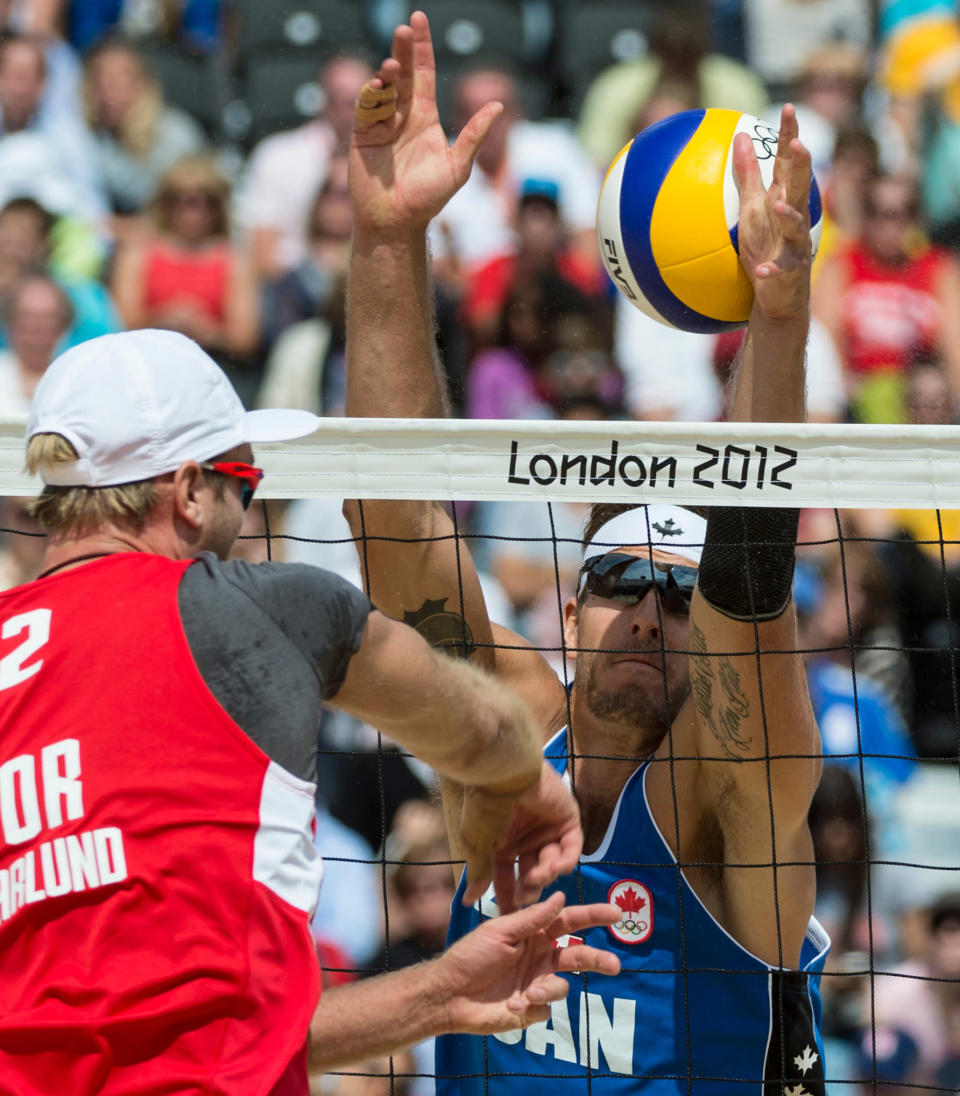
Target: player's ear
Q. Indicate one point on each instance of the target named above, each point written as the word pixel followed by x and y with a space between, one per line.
pixel 571 626
pixel 187 482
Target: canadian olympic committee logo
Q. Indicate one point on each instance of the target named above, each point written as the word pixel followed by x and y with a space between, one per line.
pixel 636 902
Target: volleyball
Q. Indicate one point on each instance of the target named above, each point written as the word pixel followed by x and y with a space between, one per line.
pixel 667 219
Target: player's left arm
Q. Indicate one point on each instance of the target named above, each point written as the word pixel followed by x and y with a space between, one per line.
pixel 758 751
pixel 755 727
pixel 747 677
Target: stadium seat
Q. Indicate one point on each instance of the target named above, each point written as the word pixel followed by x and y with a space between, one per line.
pixel 281 91
pixel 593 34
pixel 465 29
pixel 196 83
pixel 330 25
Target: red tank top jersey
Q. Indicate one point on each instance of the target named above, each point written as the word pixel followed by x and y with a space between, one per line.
pixel 172 275
pixel 156 867
pixel 891 315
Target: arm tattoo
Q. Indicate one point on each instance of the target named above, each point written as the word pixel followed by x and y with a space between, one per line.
pixel 721 703
pixel 446 631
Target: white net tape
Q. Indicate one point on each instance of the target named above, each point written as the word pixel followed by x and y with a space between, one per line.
pixel 763 464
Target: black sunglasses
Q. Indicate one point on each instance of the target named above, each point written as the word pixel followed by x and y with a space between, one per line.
pixel 629 579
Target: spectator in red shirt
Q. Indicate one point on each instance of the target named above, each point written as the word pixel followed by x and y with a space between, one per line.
pixel 187 275
pixel 889 299
pixel 542 247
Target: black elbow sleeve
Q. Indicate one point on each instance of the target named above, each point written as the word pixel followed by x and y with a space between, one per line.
pixel 746 568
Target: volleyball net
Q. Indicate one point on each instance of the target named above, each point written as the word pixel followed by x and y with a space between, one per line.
pixel 877 589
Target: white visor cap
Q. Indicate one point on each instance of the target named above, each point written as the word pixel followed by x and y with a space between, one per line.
pixel 139 403
pixel 667 528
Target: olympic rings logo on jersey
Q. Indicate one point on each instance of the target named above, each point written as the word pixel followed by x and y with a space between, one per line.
pixel 636 902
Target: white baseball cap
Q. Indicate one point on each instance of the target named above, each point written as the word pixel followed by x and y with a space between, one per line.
pixel 140 403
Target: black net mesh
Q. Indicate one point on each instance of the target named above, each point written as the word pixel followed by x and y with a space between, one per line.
pixel 876 600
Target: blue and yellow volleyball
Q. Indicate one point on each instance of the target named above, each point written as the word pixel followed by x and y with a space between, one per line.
pixel 667 219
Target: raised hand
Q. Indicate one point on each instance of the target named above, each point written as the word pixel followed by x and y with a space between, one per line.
pixel 402 168
pixel 538 830
pixel 504 974
pixel 774 224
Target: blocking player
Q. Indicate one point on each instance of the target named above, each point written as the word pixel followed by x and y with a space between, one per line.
pixel 158 714
pixel 688 735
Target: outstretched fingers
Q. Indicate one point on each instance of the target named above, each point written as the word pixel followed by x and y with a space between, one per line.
pixel 797 182
pixel 791 168
pixel 471 137
pixel 423 67
pixel 402 61
pixel 554 918
pixel 533 919
pixel 533 1004
pixel 787 134
pixel 746 170
pixel 573 919
pixel 581 957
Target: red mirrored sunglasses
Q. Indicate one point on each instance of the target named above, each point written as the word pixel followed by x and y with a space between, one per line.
pixel 248 474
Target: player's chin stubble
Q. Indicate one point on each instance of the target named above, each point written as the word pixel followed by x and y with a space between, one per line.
pixel 649 708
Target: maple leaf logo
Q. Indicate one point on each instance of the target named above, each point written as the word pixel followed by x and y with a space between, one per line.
pixel 668 529
pixel 630 901
pixel 807 1060
pixel 797 1090
pixel 636 911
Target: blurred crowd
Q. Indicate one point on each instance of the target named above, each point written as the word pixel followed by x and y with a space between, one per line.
pixel 182 164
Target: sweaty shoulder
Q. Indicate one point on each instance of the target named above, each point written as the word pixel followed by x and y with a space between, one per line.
pixel 272 641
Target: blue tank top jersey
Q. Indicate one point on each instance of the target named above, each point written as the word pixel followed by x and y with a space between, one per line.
pixel 692 1012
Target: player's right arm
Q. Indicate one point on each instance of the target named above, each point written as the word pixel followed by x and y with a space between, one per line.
pixel 402 173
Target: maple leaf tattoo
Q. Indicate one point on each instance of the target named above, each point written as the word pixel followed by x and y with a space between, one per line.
pixel 442 628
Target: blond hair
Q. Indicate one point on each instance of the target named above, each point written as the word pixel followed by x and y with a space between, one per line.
pixel 138 131
pixel 842 60
pixel 197 172
pixel 76 511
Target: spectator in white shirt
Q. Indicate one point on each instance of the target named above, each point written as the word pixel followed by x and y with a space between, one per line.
pixel 477 223
pixel 137 137
pixel 61 141
pixel 286 171
pixel 40 316
pixel 670 376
